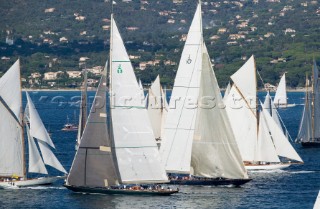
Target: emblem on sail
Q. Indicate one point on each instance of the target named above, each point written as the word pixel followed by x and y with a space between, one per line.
pixel 119 70
pixel 189 60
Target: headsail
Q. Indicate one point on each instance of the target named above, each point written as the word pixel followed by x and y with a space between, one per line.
pixel 37 129
pixel 215 151
pixel 136 150
pixel 36 164
pixel 176 145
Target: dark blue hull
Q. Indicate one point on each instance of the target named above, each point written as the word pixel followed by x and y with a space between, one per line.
pixel 310 144
pixel 109 191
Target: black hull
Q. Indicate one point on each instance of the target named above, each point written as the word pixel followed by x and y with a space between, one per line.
pixel 109 191
pixel 310 144
pixel 211 182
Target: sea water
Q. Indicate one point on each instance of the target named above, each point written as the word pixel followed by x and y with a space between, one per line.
pixel 295 187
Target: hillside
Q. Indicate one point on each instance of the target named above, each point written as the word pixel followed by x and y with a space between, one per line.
pixel 52 35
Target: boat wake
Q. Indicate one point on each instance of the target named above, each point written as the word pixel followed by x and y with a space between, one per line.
pixel 281 171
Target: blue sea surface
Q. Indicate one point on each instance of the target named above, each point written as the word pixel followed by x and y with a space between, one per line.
pixel 295 187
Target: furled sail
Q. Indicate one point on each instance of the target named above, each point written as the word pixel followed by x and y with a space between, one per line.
pixel 136 150
pixel 280 97
pixel 37 129
pixel 176 145
pixel 215 152
pixel 94 163
pixel 11 139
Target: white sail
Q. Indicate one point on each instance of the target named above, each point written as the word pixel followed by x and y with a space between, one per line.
pixel 227 91
pixel 280 97
pixel 36 164
pixel 245 81
pixel 317 203
pixel 283 146
pixel 155 107
pixel 37 129
pixel 243 123
pixel 49 158
pixel 165 109
pixel 305 131
pixel 136 150
pixel 265 151
pixel 215 151
pixel 11 139
pixel 271 108
pixel 179 127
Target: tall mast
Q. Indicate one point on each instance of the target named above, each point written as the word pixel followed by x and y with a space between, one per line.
pixel 257 100
pixel 312 103
pixel 22 130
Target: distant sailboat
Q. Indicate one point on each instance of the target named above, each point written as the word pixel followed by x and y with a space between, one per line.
pixel 260 138
pixel 157 109
pixel 13 164
pixel 280 98
pixel 118 160
pixel 83 109
pixel 309 132
pixel 199 147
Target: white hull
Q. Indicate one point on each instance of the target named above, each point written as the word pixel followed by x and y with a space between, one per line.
pixel 285 105
pixel 30 182
pixel 267 167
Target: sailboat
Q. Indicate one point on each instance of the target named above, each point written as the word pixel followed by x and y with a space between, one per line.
pixel 157 109
pixel 12 150
pixel 83 109
pixel 317 202
pixel 69 126
pixel 260 139
pixel 309 132
pixel 124 158
pixel 199 147
pixel 280 98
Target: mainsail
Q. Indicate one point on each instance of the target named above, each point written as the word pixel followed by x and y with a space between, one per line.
pixel 179 127
pixel 215 152
pixel 136 150
pixel 93 164
pixel 11 139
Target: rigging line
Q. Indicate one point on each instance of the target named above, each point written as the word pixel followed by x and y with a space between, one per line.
pixel 10 111
pixel 264 86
